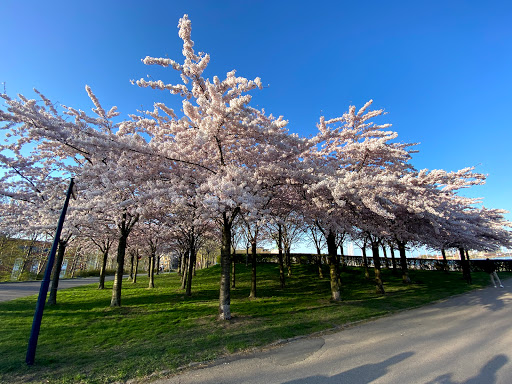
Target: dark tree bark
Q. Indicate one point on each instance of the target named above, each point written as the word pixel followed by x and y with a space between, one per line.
pixel 379 286
pixel 445 261
pixel 125 227
pixel 184 268
pixel 280 257
pixel 233 269
pixel 52 300
pixel 118 279
pixel 288 258
pixel 466 272
pixel 132 264
pixel 137 258
pixel 180 261
pixel 153 246
pixel 393 260
pixel 225 264
pixel 104 246
pixel 103 268
pixel 192 263
pixel 318 261
pixel 341 259
pixel 403 262
pixel 385 254
pixel 151 270
pixel 365 262
pixel 318 258
pixel 253 270
pixel 332 250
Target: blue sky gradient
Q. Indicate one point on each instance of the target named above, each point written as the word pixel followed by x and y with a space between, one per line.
pixel 441 69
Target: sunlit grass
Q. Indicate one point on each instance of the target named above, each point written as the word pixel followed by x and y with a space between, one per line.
pixel 83 340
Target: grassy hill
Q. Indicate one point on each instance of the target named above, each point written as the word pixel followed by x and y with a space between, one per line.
pixel 83 340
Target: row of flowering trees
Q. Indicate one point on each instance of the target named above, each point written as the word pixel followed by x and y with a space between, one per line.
pixel 163 176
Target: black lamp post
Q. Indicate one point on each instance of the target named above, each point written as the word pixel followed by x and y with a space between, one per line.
pixel 43 291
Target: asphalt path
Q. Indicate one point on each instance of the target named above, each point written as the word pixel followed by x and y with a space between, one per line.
pixel 10 291
pixel 465 339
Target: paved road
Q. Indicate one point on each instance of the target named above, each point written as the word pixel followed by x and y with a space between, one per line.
pixel 466 339
pixel 9 291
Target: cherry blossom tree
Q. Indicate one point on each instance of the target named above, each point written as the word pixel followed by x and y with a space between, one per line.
pixel 224 142
pixel 352 159
pixel 34 196
pixel 220 159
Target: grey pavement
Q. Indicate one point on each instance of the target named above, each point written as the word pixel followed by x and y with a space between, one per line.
pixel 10 291
pixel 465 339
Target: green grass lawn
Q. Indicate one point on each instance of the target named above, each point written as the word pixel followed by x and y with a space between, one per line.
pixel 83 340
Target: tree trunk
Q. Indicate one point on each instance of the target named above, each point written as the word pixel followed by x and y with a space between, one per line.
pixel 445 261
pixel 225 264
pixel 158 265
pixel 338 264
pixel 365 263
pixel 180 261
pixel 233 269
pixel 379 286
pixel 333 269
pixel 125 227
pixel 384 253
pixel 466 272
pixel 136 267
pixel 118 279
pixel 103 268
pixel 288 254
pixel 190 274
pixel 253 271
pixel 403 262
pixel 393 260
pixel 280 257
pixel 151 271
pixel 52 300
pixel 132 259
pixel 132 264
pixel 184 268
pixel 342 260
pixel 318 261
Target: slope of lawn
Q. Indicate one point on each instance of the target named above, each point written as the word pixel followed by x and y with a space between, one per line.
pixel 83 340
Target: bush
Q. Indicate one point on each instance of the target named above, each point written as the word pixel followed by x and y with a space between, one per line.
pixel 94 272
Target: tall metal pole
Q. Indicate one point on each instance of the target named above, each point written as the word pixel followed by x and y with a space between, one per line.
pixel 43 291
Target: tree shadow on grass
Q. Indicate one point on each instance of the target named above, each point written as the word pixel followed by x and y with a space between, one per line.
pixel 366 373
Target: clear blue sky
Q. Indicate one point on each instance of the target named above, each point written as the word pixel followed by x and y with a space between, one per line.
pixel 441 69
